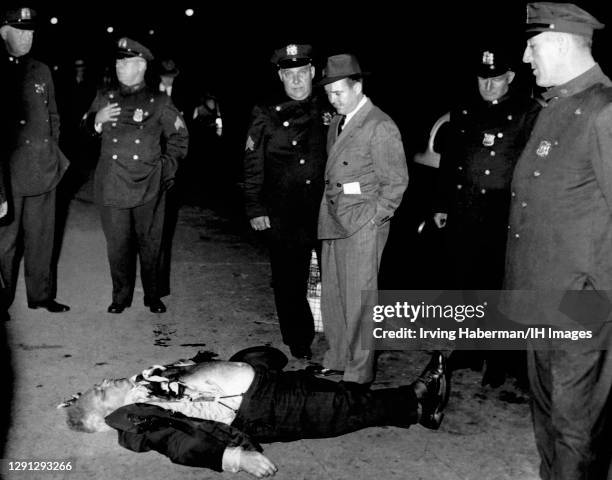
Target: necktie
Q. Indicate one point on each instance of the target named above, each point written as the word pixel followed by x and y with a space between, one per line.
pixel 341 124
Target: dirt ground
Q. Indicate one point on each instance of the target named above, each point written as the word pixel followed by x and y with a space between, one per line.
pixel 221 301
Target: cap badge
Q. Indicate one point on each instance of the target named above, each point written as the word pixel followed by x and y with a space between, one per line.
pixel 488 140
pixel 123 43
pixel 544 148
pixel 25 14
pixel 40 88
pixel 488 58
pixel 250 144
pixel 178 123
pixel 138 115
pixel 292 50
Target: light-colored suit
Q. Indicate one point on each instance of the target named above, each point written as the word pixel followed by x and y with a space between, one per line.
pixel 354 226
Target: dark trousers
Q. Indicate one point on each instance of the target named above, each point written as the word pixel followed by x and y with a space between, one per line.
pixel 571 407
pixel 290 254
pixel 285 406
pixel 130 232
pixel 33 223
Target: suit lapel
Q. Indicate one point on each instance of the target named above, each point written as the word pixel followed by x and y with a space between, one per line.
pixel 349 128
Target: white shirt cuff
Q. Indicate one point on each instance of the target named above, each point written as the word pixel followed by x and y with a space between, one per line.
pixel 231 459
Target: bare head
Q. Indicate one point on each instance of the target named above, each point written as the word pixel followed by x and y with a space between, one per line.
pixel 86 412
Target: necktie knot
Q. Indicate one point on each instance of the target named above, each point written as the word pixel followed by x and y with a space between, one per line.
pixel 341 123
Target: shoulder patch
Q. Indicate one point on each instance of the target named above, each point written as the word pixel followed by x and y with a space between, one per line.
pixel 250 144
pixel 178 123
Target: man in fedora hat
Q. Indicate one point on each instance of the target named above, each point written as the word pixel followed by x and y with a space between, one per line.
pixel 143 137
pixel 485 138
pixel 283 182
pixel 365 179
pixel 560 243
pixel 29 151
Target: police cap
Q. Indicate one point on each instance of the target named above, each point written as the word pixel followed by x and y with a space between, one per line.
pixel 492 62
pixel 21 18
pixel 292 56
pixel 126 47
pixel 560 17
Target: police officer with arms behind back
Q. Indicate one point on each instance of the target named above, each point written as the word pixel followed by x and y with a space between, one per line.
pixel 29 151
pixel 143 138
pixel 283 184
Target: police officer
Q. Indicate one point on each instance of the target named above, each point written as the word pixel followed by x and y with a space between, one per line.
pixel 29 150
pixel 484 142
pixel 283 184
pixel 143 137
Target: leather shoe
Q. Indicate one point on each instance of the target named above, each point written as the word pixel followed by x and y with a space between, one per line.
pixel 50 305
pixel 318 369
pixel 301 352
pixel 155 305
pixel 115 308
pixel 432 389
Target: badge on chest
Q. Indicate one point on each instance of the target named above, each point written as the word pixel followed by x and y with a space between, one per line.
pixel 488 139
pixel 543 149
pixel 138 115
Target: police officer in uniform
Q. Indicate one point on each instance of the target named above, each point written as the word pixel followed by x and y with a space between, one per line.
pixel 30 152
pixel 143 137
pixel 283 184
pixel 484 141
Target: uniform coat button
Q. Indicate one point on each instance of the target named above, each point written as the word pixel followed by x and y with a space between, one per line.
pixel 513 194
pixel 294 142
pixel 487 172
pixel 459 187
pixel 27 141
pixel 285 123
pixel 137 140
pixel 492 153
pixel 114 140
pixel 23 122
pixel 307 182
pixel 536 173
pixel 113 124
pixel 483 191
pixel 302 161
pixel 523 204
pixel 516 235
pixel 114 157
pixel 135 157
pixel 500 135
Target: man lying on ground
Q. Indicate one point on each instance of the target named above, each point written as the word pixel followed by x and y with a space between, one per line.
pixel 213 414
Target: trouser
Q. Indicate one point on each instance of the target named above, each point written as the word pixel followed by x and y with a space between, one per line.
pixel 290 255
pixel 285 406
pixel 350 265
pixel 132 231
pixel 33 223
pixel 571 408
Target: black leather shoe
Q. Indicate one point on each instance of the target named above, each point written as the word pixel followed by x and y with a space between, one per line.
pixel 301 352
pixel 432 389
pixel 156 305
pixel 317 369
pixel 115 308
pixel 50 305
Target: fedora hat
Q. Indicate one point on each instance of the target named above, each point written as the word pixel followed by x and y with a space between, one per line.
pixel 339 67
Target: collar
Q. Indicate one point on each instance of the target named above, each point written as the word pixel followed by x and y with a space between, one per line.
pixel 128 90
pixel 361 103
pixel 578 84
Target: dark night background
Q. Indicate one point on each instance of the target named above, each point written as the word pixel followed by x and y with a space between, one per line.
pixel 421 57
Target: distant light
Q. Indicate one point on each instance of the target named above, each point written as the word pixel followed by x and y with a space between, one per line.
pixel 151 32
pixel 53 20
pixel 189 12
pixel 55 68
pixel 110 29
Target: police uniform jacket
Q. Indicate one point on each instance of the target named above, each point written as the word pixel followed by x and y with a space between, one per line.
pixel 285 160
pixel 483 144
pixel 30 123
pixel 368 152
pixel 139 152
pixel 560 228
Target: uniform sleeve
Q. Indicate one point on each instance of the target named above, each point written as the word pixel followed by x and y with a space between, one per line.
pixel 601 156
pixel 141 430
pixel 54 118
pixel 445 181
pixel 254 157
pixel 391 169
pixel 176 141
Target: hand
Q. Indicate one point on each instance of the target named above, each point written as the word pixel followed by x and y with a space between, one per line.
pixel 3 209
pixel 109 113
pixel 440 219
pixel 260 223
pixel 257 464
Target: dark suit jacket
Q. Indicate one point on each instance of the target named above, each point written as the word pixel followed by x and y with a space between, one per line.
pixel 369 151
